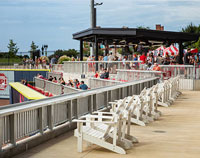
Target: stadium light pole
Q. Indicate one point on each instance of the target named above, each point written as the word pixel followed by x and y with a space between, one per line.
pixel 93 17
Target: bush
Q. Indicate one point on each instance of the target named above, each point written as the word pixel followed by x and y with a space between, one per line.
pixel 63 58
pixel 44 58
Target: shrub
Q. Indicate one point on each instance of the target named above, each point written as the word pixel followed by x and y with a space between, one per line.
pixel 63 58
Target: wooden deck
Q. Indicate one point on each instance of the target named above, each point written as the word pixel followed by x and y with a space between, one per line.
pixel 175 135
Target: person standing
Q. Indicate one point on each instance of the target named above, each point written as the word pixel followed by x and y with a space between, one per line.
pixel 143 58
pixel 187 57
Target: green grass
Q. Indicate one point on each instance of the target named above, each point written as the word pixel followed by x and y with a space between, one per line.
pixel 11 60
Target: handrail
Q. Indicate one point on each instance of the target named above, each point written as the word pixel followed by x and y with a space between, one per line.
pixel 142 71
pixel 54 88
pixel 61 98
pixel 126 61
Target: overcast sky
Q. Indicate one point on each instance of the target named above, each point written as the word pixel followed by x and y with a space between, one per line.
pixel 53 22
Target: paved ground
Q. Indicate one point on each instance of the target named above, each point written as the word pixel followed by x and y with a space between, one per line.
pixel 175 135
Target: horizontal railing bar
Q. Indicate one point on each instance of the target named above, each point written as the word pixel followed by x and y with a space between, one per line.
pixel 21 107
pixel 102 61
pixel 142 71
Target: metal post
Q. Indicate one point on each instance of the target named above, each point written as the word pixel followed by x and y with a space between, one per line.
pixel 81 50
pixel 97 51
pixel 180 52
pixel 92 14
pixel 41 120
pixel 95 17
pixel 1 132
pixel 13 128
pixel 50 116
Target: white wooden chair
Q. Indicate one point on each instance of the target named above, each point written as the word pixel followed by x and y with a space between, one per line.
pixel 163 93
pixel 154 100
pixel 111 138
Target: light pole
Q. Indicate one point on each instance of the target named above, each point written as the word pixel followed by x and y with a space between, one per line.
pixel 94 13
pixel 45 47
pixel 93 20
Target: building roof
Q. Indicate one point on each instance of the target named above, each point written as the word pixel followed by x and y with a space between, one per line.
pixel 115 35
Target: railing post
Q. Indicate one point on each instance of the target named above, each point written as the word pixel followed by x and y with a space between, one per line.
pixel 13 128
pixel 69 110
pixel 94 102
pixel 162 78
pixel 50 117
pixel 41 120
pixel 75 107
pixel 90 104
pixel 1 133
pixel 194 72
pixel 106 99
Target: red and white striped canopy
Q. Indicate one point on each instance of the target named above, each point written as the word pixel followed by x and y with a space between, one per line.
pixel 172 50
pixel 161 48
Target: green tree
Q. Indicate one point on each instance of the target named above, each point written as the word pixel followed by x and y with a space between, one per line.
pixel 70 52
pixel 192 29
pixel 143 27
pixel 33 48
pixel 12 48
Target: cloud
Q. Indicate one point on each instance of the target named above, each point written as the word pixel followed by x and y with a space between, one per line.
pixel 54 21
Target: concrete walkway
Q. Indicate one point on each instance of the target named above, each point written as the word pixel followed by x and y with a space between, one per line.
pixel 175 135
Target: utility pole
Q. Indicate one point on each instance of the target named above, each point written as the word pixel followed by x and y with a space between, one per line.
pixel 93 20
pixel 92 15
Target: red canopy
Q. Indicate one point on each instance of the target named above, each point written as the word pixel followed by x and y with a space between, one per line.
pixel 194 50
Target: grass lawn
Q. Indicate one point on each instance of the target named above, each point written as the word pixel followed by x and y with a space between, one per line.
pixel 11 60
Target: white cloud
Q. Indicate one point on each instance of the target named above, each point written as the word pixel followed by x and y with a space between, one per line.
pixel 65 17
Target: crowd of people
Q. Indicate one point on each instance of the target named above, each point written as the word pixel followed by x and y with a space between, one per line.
pixel 72 83
pixel 29 63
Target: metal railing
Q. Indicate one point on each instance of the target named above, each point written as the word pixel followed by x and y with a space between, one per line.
pixel 97 82
pixel 185 71
pixel 55 74
pixel 132 75
pixel 58 67
pixel 24 121
pixel 69 90
pixel 89 67
pixel 54 88
pixel 22 66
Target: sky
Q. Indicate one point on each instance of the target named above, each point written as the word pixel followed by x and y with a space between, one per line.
pixel 53 22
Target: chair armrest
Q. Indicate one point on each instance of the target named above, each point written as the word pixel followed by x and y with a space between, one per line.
pixel 87 121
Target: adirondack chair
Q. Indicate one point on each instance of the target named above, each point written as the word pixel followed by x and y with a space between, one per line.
pixel 163 94
pixel 128 109
pixel 123 139
pixel 177 86
pixel 137 115
pixel 174 88
pixel 111 138
pixel 154 101
pixel 97 137
pixel 148 107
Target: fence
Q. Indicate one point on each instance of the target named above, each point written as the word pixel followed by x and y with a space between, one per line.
pixel 22 66
pixel 54 88
pixel 89 67
pixel 20 123
pixel 58 67
pixel 185 71
pixel 97 83
pixel 55 74
pixel 132 75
